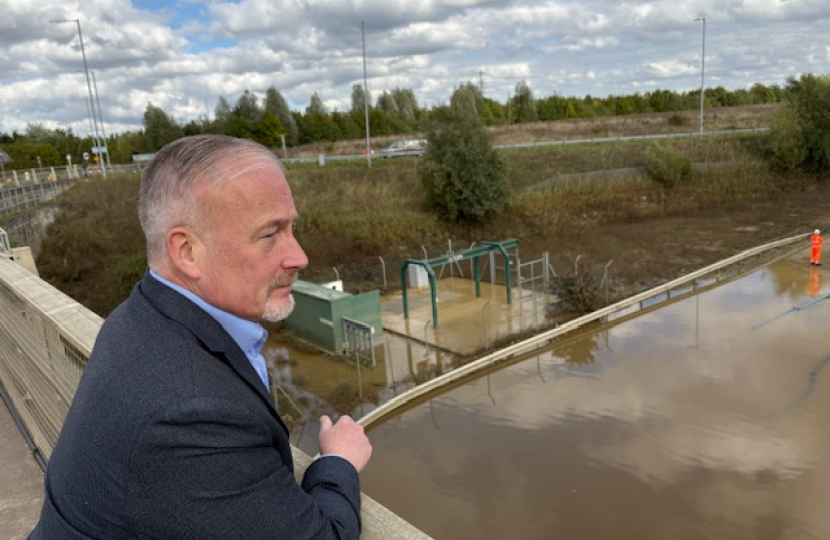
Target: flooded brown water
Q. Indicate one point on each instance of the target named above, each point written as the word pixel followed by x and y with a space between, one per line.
pixel 409 352
pixel 706 418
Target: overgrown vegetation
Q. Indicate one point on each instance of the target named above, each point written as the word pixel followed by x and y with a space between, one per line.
pixel 359 222
pixel 578 293
pixel 800 137
pixel 666 165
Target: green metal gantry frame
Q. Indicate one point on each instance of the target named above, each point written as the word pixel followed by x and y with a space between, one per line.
pixel 482 248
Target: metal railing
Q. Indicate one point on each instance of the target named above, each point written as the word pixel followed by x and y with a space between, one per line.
pixel 44 175
pixel 30 195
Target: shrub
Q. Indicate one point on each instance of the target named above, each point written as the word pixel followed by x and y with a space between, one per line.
pixel 785 148
pixel 802 137
pixel 678 120
pixel 578 294
pixel 667 166
pixel 461 172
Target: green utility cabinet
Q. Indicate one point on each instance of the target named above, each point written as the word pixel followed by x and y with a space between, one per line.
pixel 319 311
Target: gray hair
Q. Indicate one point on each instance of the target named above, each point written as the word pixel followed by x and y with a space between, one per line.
pixel 166 198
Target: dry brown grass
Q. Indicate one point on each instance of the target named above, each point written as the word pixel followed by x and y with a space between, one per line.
pixel 751 116
pixel 754 116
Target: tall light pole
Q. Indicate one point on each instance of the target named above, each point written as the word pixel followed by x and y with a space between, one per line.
pixel 366 97
pixel 88 83
pixel 101 118
pixel 702 64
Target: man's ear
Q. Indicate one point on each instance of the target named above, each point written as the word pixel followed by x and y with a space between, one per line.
pixel 184 249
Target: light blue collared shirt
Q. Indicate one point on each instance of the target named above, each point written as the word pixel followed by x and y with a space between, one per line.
pixel 249 335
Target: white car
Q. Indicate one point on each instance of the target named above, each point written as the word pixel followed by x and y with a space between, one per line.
pixel 405 147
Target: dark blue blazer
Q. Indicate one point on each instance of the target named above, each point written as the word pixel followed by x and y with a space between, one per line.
pixel 172 435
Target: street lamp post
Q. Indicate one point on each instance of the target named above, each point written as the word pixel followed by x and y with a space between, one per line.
pixel 88 82
pixel 101 118
pixel 366 97
pixel 702 64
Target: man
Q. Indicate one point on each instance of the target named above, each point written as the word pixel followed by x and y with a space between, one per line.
pixel 172 433
pixel 815 247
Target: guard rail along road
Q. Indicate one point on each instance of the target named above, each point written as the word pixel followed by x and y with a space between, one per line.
pixel 45 340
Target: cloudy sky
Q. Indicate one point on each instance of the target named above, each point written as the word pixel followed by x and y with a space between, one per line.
pixel 183 55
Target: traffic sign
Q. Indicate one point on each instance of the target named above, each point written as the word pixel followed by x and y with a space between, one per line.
pixel 86 156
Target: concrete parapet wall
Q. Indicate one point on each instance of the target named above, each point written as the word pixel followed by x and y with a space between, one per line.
pixel 28 227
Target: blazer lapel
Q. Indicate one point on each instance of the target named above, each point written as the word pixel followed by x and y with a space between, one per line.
pixel 209 332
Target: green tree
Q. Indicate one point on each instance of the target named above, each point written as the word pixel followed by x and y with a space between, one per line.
pixel 387 103
pixel 785 147
pixel 275 105
pixel 239 126
pixel 407 105
pixel 316 106
pixel 159 129
pixel 126 145
pixel 360 99
pixel 25 154
pixel 268 130
pixel 347 125
pixel 551 108
pixel 762 94
pixel 809 96
pixel 461 170
pixel 570 110
pixel 222 115
pixel 524 104
pixel 247 107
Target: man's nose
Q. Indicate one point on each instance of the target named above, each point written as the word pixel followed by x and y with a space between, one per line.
pixel 296 258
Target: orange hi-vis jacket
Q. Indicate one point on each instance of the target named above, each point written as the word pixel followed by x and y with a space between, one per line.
pixel 815 252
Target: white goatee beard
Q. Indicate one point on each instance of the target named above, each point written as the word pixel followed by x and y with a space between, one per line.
pixel 278 311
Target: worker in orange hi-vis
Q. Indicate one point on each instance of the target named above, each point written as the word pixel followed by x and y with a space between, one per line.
pixel 815 252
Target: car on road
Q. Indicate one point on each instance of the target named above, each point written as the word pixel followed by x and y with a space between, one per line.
pixel 405 147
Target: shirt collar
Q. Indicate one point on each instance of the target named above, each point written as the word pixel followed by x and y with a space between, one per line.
pixel 250 336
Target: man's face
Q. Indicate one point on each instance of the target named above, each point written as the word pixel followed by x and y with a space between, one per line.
pixel 250 257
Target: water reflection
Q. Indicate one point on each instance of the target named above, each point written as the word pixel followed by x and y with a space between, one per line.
pixel 694 420
pixel 306 383
pixel 815 281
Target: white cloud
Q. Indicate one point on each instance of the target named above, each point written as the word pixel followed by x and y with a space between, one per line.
pixel 195 51
pixel 672 68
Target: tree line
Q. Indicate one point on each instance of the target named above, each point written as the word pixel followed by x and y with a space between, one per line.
pixel 462 174
pixel 270 121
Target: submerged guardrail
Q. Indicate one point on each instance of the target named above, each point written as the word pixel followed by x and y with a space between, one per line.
pixel 527 345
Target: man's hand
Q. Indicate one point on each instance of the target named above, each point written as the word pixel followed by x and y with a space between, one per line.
pixel 347 439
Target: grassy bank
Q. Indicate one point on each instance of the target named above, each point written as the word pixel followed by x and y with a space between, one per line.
pixel 354 217
pixel 753 116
